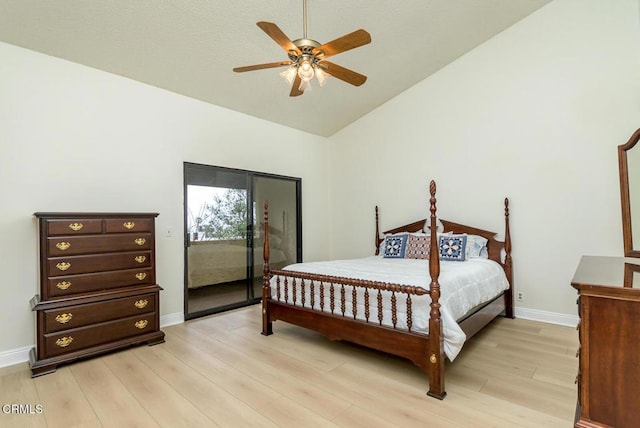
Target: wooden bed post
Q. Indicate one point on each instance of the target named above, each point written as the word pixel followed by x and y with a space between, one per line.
pixel 508 266
pixel 377 233
pixel 267 326
pixel 436 347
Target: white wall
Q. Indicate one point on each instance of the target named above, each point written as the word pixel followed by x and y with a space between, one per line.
pixel 76 139
pixel 535 114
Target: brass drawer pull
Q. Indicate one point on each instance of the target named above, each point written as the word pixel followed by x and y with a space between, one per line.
pixel 140 241
pixel 141 303
pixel 129 225
pixel 64 318
pixel 141 275
pixel 141 324
pixel 63 266
pixel 140 259
pixel 76 226
pixel 63 285
pixel 63 245
pixel 63 342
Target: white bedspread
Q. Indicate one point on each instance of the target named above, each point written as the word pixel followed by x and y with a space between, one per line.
pixel 463 286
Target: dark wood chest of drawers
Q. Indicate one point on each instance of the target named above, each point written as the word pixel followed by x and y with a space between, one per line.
pixel 98 288
pixel 609 354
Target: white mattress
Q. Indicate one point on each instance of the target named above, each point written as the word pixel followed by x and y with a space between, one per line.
pixel 463 286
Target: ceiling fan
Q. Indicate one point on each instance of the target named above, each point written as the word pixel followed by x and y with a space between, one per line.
pixel 307 57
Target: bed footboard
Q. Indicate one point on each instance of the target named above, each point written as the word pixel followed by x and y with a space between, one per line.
pixel 349 309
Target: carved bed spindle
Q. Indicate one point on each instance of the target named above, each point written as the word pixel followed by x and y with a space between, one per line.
pixel 354 302
pixel 367 310
pixel 379 307
pixel 312 293
pixel 436 337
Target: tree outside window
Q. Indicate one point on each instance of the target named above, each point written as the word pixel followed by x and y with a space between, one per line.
pixel 220 214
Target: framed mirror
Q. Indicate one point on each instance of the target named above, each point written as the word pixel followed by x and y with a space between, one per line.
pixel 629 163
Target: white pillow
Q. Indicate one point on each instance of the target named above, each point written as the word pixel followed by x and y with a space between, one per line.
pixel 439 226
pixel 477 247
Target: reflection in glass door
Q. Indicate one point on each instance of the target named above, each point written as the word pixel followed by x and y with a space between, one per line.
pixel 224 234
pixel 284 226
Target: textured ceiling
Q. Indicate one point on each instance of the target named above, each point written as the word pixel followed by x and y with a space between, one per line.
pixel 190 46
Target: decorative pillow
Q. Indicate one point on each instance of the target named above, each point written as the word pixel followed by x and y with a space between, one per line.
pixel 418 246
pixel 394 246
pixel 476 247
pixel 452 247
pixel 382 242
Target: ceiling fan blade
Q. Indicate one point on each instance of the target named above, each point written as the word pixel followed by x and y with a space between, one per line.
pixel 342 73
pixel 344 43
pixel 278 36
pixel 261 66
pixel 295 88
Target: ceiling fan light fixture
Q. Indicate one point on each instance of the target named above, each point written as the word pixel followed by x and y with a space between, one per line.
pixel 305 85
pixel 306 69
pixel 321 76
pixel 289 74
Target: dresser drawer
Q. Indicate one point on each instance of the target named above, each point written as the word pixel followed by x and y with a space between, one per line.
pixel 61 246
pixel 128 225
pixel 97 334
pixel 81 226
pixel 58 266
pixel 72 317
pixel 61 286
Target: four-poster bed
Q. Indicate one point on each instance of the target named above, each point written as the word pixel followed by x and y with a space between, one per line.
pixel 392 316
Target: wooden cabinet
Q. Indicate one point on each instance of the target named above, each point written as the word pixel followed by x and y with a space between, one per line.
pixel 609 354
pixel 97 286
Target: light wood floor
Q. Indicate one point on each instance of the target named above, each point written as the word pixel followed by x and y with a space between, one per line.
pixel 219 371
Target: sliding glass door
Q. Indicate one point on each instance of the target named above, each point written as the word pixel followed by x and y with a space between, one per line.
pixel 224 233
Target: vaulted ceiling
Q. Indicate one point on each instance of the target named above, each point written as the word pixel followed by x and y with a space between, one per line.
pixel 190 46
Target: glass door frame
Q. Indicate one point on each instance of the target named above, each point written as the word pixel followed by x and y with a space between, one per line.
pixel 250 175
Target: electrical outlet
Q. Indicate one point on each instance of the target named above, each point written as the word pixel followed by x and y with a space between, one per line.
pixel 519 296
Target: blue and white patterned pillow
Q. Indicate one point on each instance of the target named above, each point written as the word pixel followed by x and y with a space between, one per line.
pixel 394 246
pixel 452 247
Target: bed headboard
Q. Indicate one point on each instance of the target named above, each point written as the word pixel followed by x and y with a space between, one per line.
pixel 495 247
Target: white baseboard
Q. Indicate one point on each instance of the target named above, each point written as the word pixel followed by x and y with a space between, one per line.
pixel 548 317
pixel 20 355
pixel 171 319
pixel 14 356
